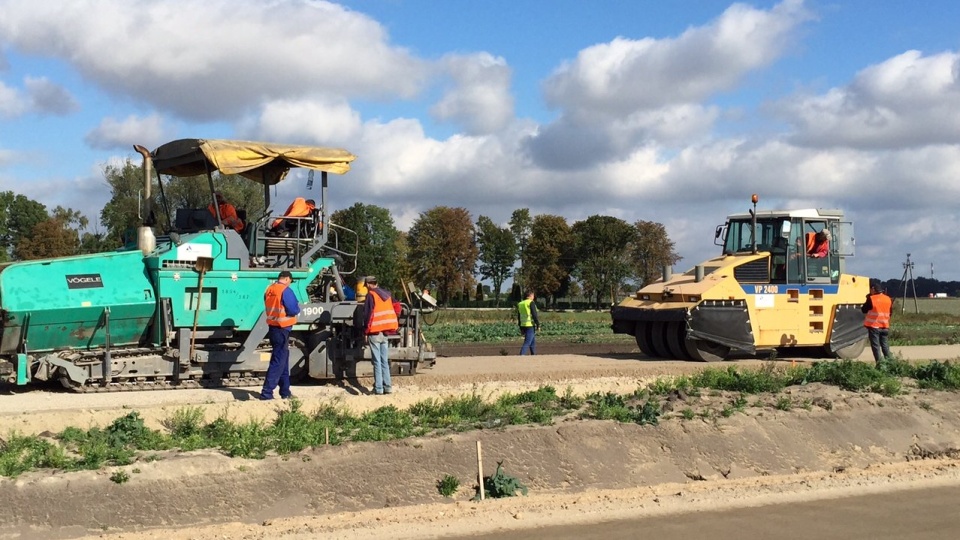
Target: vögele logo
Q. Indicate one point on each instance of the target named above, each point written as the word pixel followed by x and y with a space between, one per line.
pixel 84 281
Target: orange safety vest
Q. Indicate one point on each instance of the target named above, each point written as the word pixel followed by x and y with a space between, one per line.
pixel 273 306
pixel 228 213
pixel 298 208
pixel 879 314
pixel 384 318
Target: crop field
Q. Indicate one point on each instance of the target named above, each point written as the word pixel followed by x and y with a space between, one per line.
pixel 937 323
pixel 500 326
pixel 946 306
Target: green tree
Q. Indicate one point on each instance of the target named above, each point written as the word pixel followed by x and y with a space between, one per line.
pixel 51 238
pixel 123 212
pixel 650 251
pixel 378 242
pixel 549 256
pixel 60 235
pixel 520 223
pixel 443 252
pixel 95 242
pixel 19 215
pixel 402 267
pixel 497 253
pixel 602 262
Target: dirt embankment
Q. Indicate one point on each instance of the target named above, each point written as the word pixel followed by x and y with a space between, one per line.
pixel 575 469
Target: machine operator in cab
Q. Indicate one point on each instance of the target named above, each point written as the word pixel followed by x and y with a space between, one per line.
pixel 228 212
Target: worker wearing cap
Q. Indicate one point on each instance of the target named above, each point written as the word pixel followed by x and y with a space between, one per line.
pixel 380 320
pixel 281 308
pixel 878 308
pixel 228 212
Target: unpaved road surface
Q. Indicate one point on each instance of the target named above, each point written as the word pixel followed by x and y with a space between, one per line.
pixel 578 471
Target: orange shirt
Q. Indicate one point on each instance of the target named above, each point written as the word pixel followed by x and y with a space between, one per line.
pixel 228 213
pixel 298 208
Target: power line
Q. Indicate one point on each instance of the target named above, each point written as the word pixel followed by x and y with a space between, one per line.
pixel 907 281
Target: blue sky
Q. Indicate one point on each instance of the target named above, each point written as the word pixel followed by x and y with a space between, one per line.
pixel 646 110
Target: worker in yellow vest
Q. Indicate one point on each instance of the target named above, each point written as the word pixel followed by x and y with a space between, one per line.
pixel 529 323
pixel 878 308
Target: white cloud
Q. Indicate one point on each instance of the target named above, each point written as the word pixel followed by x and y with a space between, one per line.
pixel 307 121
pixel 48 97
pixel 215 59
pixel 38 95
pixel 7 157
pixel 113 134
pixel 617 95
pixel 480 100
pixel 12 102
pixel 907 100
pixel 625 75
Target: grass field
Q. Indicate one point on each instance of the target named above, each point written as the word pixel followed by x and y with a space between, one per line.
pixel 937 323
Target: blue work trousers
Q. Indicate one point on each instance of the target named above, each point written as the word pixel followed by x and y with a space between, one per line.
pixel 279 370
pixel 878 343
pixel 380 354
pixel 529 340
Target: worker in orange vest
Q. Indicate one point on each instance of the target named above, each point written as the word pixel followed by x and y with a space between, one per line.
pixel 878 308
pixel 299 208
pixel 281 308
pixel 380 320
pixel 228 212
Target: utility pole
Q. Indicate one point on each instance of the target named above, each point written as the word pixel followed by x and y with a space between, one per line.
pixel 907 281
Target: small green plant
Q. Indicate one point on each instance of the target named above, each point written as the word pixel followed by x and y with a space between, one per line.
pixel 501 485
pixel 119 477
pixel 687 413
pixel 851 375
pixel 784 403
pixel 938 375
pixel 448 485
pixel 185 422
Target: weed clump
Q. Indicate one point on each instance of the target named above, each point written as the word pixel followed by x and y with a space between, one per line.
pixel 854 376
pixel 612 406
pixel 448 485
pixel 938 376
pixel 501 484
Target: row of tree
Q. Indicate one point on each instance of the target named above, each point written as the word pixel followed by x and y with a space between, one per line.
pixel 447 252
pixel 444 250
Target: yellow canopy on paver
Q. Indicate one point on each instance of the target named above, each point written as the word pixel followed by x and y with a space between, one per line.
pixel 266 163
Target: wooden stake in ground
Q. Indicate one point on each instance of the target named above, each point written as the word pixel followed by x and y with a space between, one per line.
pixel 480 468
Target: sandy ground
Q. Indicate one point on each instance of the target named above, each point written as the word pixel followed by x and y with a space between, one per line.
pixel 578 471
